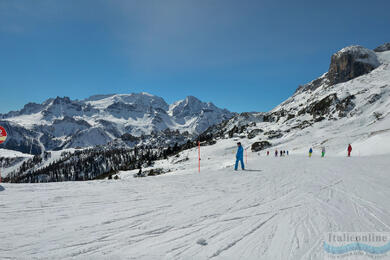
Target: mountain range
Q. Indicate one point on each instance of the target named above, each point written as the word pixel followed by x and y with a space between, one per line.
pixel 348 104
pixel 126 119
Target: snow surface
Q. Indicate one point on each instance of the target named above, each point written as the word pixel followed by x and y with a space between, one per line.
pixel 6 153
pixel 280 208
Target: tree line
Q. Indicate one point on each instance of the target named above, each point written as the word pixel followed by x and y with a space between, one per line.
pixel 89 164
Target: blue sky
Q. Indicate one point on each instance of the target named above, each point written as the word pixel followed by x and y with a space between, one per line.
pixel 242 55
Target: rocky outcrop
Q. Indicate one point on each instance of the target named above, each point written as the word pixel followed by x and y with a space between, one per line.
pixel 252 134
pixel 322 107
pixel 346 105
pixel 273 134
pixel 329 105
pixel 258 146
pixel 351 62
pixel 348 63
pixel 383 47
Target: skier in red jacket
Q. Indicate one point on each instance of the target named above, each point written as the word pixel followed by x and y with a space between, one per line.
pixel 349 150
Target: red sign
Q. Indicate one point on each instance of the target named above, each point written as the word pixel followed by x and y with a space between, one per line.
pixel 3 135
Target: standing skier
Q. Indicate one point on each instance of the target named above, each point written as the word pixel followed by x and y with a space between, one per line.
pixel 349 150
pixel 323 151
pixel 239 157
pixel 267 153
pixel 310 151
pixel 276 153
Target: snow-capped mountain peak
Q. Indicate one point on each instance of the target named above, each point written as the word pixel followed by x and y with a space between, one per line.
pixel 62 122
pixel 187 107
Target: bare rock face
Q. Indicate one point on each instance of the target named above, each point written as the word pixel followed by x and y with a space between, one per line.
pixel 323 106
pixel 351 62
pixel 383 47
pixel 254 133
pixel 348 63
pixel 258 146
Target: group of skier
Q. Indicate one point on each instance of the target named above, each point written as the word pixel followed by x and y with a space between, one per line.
pixel 240 154
pixel 323 151
pixel 280 153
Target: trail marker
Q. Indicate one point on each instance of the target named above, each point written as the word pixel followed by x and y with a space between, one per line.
pixel 3 135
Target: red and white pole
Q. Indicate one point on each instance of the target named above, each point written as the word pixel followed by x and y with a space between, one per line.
pixel 198 156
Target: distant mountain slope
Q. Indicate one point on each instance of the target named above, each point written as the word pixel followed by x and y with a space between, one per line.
pixel 353 110
pixel 64 123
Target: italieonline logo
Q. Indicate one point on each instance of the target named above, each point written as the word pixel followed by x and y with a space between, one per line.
pixel 343 244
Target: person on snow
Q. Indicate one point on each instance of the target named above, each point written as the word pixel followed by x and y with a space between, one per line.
pixel 310 151
pixel 323 152
pixel 267 153
pixel 281 153
pixel 276 153
pixel 287 152
pixel 239 157
pixel 349 150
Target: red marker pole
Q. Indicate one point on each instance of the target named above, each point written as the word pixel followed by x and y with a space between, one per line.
pixel 198 156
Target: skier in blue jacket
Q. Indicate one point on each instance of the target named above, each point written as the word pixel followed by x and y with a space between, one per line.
pixel 239 157
pixel 310 151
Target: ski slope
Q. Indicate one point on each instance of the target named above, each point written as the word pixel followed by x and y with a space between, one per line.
pixel 280 208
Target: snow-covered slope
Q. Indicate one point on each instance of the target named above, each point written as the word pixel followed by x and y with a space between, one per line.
pixel 279 209
pixel 62 123
pixel 355 112
pixel 12 154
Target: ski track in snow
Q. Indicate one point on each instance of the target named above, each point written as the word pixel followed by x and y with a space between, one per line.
pixel 280 212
